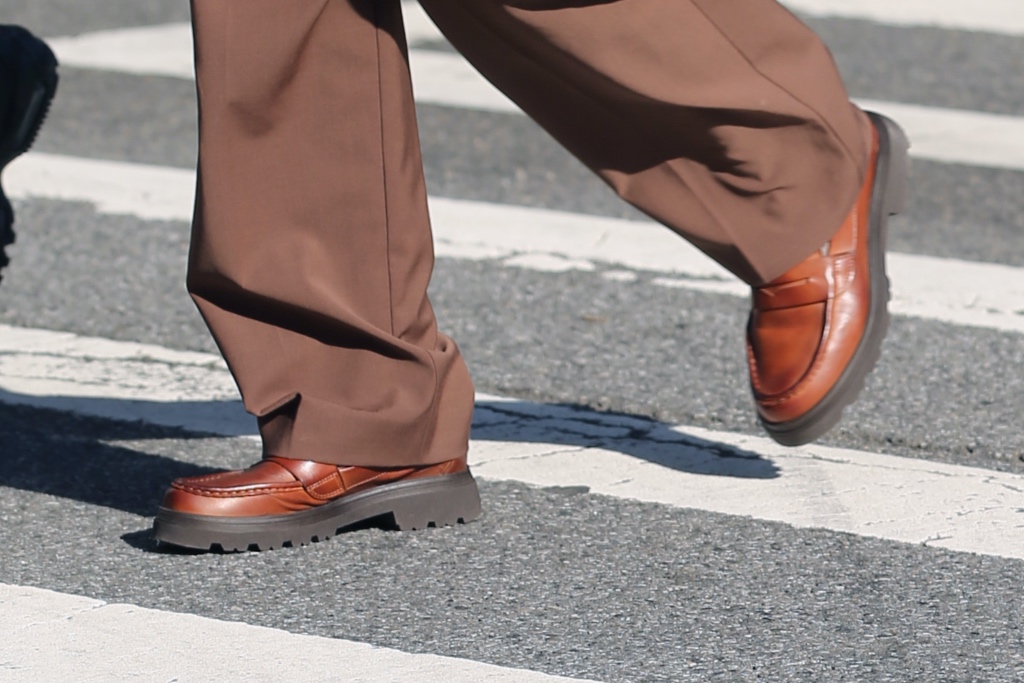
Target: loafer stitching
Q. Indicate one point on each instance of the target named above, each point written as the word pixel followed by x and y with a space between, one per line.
pixel 239 493
pixel 327 496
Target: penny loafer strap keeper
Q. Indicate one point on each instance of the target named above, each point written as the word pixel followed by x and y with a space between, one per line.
pixel 808 283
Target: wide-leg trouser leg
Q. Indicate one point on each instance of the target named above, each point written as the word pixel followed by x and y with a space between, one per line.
pixel 723 119
pixel 311 247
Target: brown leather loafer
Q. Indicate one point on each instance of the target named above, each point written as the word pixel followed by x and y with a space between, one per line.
pixel 816 332
pixel 281 502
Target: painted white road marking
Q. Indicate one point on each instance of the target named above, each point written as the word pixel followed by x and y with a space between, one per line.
pixel 948 290
pixel 158 50
pixel 862 493
pixel 50 636
pixel 937 134
pixel 113 187
pixel 120 380
pixel 901 499
pixel 990 16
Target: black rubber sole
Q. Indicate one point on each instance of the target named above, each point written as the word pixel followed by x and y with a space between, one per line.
pixel 888 198
pixel 416 504
pixel 32 90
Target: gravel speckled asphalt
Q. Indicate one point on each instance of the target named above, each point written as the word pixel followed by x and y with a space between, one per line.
pixel 556 580
pixel 576 337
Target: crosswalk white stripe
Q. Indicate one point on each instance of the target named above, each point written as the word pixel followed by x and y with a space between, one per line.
pixel 160 50
pixel 419 28
pixel 958 136
pixel 954 136
pixel 913 501
pixel 990 16
pixel 948 290
pixel 938 134
pixel 120 380
pixel 50 636
pixel 166 49
pixel 172 646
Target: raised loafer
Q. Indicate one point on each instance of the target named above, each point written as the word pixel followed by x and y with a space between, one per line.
pixel 281 502
pixel 816 331
pixel 28 72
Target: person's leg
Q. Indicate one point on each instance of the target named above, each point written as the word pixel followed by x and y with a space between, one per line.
pixel 723 119
pixel 727 121
pixel 310 261
pixel 312 248
pixel 28 81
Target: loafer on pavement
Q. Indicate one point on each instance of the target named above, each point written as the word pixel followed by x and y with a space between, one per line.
pixel 28 81
pixel 816 332
pixel 281 502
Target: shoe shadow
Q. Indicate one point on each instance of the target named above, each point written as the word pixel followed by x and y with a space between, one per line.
pixel 70 455
pixel 639 437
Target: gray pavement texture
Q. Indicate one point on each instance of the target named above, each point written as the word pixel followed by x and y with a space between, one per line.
pixel 929 66
pixel 955 211
pixel 940 392
pixel 557 580
pixel 71 17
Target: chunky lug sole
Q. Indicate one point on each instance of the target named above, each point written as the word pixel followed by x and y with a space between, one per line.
pixel 416 504
pixel 888 198
pixel 35 84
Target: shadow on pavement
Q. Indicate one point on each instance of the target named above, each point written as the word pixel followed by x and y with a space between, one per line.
pixel 68 455
pixel 639 437
pixel 64 455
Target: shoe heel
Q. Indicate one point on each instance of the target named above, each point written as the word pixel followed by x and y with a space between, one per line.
pixel 895 142
pixel 450 502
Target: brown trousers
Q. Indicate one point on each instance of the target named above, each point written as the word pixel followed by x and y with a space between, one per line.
pixel 311 254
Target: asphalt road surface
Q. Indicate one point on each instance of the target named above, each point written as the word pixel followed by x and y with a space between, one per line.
pixel 554 579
